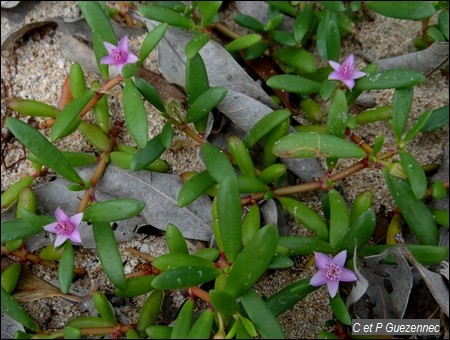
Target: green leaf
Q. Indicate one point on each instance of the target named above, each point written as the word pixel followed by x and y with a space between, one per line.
pixel 183 322
pixel 167 134
pixel 66 266
pixel 287 297
pixel 390 79
pixel 150 311
pixel 147 155
pixel 296 57
pixel 359 233
pixel 113 210
pixel 230 217
pixel 284 6
pixel 306 216
pixel 416 127
pixel 321 34
pixel 265 125
pixel 401 109
pixel 253 261
pixel 217 164
pixel 205 103
pixel 334 6
pixel 77 80
pixel 202 327
pixel 223 302
pixel 379 113
pixel 138 285
pixel 248 21
pixel 175 240
pixel 304 245
pixel 266 323
pixel 12 308
pixel 194 188
pixel 333 40
pixel 104 307
pixel 313 144
pixel 283 38
pixel 243 42
pixel 339 218
pixel 68 119
pixel 337 115
pixel 437 120
pixel 30 107
pixel 13 192
pixel 195 45
pixel 101 28
pixel 185 277
pixel 293 83
pixel 414 211
pixel 41 147
pixel 256 51
pixel 108 253
pixel 150 93
pixel 151 40
pixel 166 15
pixel 208 10
pixel 416 176
pixel 443 23
pixel 426 255
pixel 135 113
pixel 196 78
pixel 171 261
pixel 303 22
pixel 409 10
pixel 340 310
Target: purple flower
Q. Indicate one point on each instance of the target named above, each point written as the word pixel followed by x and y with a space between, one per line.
pixel 118 56
pixel 345 72
pixel 65 227
pixel 332 271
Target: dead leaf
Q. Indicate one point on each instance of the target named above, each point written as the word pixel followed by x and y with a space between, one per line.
pixel 31 288
pixel 389 285
pixel 425 61
pixel 434 281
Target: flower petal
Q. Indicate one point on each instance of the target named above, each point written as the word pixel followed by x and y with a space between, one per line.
pixel 350 83
pixel 109 47
pixel 336 66
pixel 51 228
pixel 339 259
pixel 131 58
pixel 348 276
pixel 108 60
pixel 335 76
pixel 358 74
pixel 123 44
pixel 75 236
pixel 333 287
pixel 61 215
pixel 350 60
pixel 119 68
pixel 60 239
pixel 318 279
pixel 322 260
pixel 76 219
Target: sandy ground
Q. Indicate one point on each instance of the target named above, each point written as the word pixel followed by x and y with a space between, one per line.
pixel 36 69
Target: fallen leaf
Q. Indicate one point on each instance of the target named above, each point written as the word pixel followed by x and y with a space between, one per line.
pixel 389 284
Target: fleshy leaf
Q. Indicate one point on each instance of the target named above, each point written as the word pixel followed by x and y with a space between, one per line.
pixel 108 253
pixel 41 147
pixel 135 113
pixel 313 144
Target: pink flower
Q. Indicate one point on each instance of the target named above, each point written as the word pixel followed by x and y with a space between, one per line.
pixel 345 72
pixel 118 56
pixel 65 227
pixel 332 271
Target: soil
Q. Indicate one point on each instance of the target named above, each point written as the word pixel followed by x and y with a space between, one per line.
pixel 35 68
